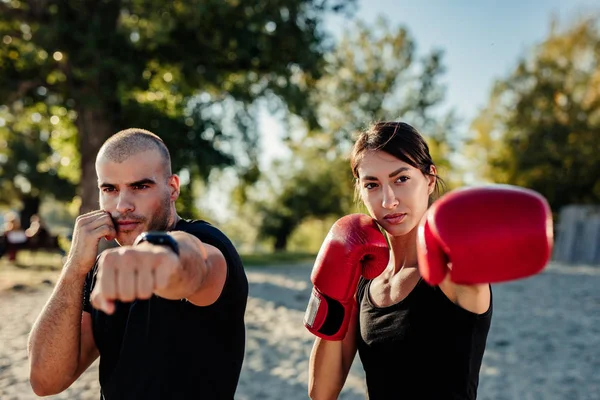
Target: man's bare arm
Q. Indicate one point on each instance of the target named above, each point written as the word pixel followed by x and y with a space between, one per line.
pixel 61 345
pixel 127 273
pixel 203 264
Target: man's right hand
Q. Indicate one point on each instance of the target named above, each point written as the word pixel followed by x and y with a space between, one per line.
pixel 354 246
pixel 89 229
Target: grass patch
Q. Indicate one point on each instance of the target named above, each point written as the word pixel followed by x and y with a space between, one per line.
pixel 278 258
pixel 30 270
pixel 42 261
pixel 37 260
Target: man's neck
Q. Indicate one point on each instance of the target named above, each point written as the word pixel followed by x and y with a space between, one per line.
pixel 173 222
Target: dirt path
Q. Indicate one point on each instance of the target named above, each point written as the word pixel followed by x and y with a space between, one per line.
pixel 544 343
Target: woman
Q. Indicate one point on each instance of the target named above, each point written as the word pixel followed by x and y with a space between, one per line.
pixel 415 341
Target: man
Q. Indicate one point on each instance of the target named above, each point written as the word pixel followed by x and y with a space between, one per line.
pixel 164 311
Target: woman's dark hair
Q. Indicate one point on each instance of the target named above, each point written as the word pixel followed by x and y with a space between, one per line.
pixel 400 140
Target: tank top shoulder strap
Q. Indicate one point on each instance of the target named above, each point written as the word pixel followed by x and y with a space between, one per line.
pixel 363 284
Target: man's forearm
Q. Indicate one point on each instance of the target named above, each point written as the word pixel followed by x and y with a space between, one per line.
pixel 193 267
pixel 55 339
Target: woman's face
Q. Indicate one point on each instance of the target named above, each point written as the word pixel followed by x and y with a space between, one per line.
pixel 395 193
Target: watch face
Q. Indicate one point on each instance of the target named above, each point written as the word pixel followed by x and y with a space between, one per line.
pixel 157 239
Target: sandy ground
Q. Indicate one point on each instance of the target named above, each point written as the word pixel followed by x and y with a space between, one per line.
pixel 544 343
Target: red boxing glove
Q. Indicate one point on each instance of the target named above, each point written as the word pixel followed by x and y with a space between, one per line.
pixel 354 246
pixel 485 234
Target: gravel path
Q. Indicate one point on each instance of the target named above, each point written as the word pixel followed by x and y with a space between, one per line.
pixel 544 343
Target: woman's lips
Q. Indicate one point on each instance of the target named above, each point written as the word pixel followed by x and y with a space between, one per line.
pixel 395 219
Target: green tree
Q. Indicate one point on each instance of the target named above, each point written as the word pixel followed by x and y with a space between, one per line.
pixel 371 75
pixel 30 167
pixel 313 190
pixel 541 127
pixel 179 68
pixel 374 74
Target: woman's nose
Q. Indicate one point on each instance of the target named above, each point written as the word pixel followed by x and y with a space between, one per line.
pixel 389 198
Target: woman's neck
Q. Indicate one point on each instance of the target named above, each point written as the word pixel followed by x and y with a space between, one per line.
pixel 404 251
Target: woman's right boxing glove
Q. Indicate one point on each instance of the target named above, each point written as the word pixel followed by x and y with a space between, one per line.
pixel 354 246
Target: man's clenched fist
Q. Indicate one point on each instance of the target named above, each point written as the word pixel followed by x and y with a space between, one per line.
pixel 134 272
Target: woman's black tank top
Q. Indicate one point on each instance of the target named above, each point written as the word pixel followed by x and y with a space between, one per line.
pixel 424 347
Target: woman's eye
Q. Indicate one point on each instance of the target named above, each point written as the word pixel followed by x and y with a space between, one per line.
pixel 370 185
pixel 402 179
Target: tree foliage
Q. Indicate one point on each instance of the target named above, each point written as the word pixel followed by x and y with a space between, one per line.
pixel 541 127
pixel 188 70
pixel 372 75
pixel 29 166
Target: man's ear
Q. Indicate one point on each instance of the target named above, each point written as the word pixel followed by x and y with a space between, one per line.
pixel 174 186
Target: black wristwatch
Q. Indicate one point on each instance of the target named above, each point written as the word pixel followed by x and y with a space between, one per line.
pixel 159 238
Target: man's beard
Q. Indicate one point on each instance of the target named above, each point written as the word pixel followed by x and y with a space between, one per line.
pixel 160 220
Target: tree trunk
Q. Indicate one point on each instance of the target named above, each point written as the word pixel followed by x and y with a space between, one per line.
pixel 31 206
pixel 282 235
pixel 94 128
pixel 281 241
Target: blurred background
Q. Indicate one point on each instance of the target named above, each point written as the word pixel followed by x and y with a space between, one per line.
pixel 259 102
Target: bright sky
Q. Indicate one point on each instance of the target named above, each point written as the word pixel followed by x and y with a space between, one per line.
pixel 483 41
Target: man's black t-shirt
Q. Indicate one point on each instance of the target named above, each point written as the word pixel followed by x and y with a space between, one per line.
pixel 172 349
pixel 423 348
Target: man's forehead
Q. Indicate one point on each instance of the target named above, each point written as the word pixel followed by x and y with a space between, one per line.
pixel 128 171
pixel 126 178
pixel 150 155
